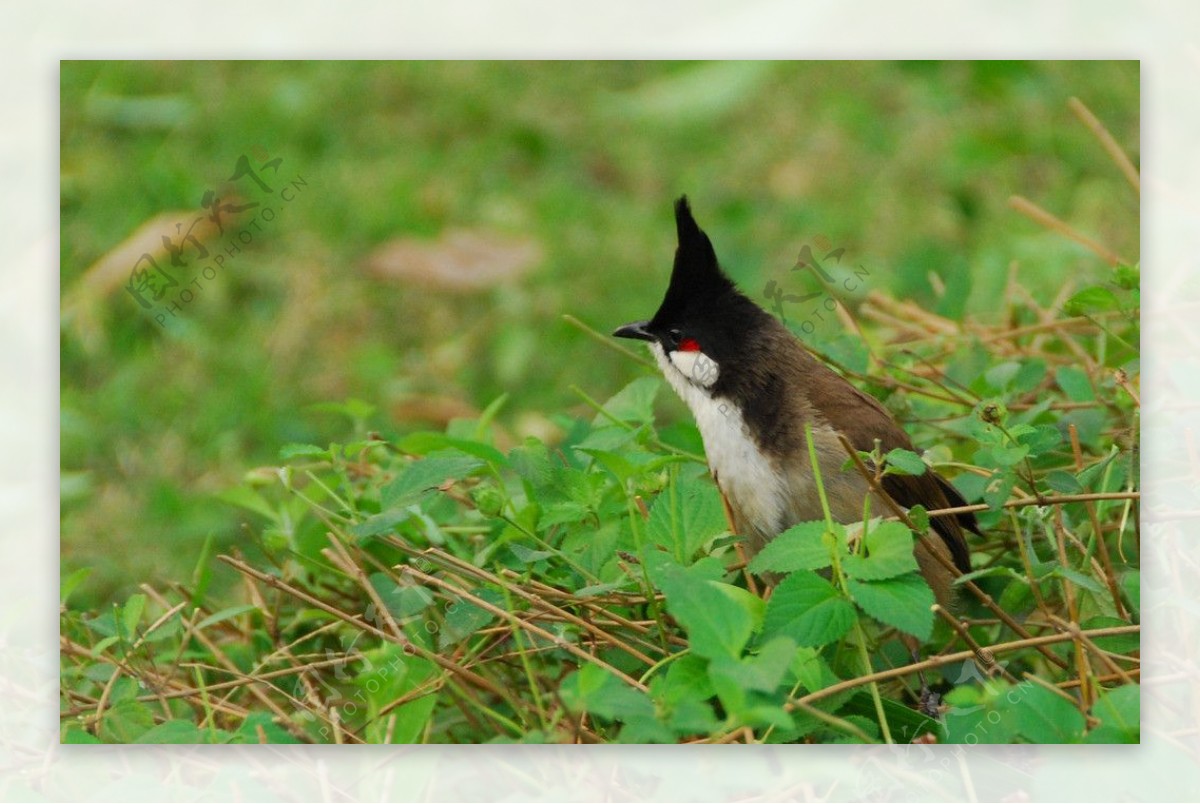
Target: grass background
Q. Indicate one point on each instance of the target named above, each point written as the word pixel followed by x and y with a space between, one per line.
pixel 908 166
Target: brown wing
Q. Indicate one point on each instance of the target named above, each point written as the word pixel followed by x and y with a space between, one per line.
pixel 862 419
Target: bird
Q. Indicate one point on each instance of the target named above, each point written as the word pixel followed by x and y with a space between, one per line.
pixel 753 387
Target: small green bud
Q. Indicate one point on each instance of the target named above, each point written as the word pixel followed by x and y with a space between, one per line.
pixel 488 499
pixel 275 541
pixel 992 412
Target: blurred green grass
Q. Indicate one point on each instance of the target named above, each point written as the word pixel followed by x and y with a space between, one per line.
pixel 908 166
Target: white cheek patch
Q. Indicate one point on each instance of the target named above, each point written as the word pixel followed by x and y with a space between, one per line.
pixel 699 368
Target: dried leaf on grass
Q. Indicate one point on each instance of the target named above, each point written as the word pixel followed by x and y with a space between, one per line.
pixel 439 410
pixel 459 261
pixel 81 302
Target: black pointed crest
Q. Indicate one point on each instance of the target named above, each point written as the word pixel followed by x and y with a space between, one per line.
pixel 696 274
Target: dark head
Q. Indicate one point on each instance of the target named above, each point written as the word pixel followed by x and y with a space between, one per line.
pixel 704 325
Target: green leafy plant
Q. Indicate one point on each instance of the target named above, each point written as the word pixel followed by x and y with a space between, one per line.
pixel 439 587
pixel 460 585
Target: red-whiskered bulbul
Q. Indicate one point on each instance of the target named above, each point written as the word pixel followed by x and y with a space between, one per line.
pixel 752 386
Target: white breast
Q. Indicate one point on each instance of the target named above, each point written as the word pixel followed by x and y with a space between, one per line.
pixel 746 475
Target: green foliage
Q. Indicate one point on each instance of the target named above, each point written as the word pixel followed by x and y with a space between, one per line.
pixel 538 565
pixel 1028 712
pixel 442 588
pixel 579 158
pixel 809 610
pixel 719 618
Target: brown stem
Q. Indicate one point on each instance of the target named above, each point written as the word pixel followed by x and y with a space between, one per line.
pixel 950 658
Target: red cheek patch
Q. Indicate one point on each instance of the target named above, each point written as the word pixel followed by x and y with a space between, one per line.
pixel 689 345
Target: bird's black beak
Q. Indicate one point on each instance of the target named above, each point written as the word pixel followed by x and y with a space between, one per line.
pixel 635 330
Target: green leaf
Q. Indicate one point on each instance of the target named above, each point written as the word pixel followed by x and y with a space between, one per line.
pixel 126 688
pixel 919 517
pixel 1016 597
pixel 402 600
pixel 388 675
pixel 527 555
pixel 1119 643
pixel 685 516
pixel 131 615
pixel 868 725
pixel 355 409
pixel 644 728
pixel 74 734
pixel 683 696
pixel 224 614
pixel 904 723
pixel 248 499
pixel 611 439
pixel 564 512
pixel 978 715
pixel 532 462
pixel 424 443
pixel 997 489
pixel 1128 277
pixel 633 403
pixel 167 630
pixel 1075 383
pixel 1042 717
pixel 412 718
pixel 104 624
pixel 1091 300
pixel 971 486
pixel 175 732
pixel 1079 579
pixel 888 551
pixel 203 572
pixel 719 618
pixel 1000 375
pixel 904 602
pixel 1044 437
pixel 800 547
pixel 847 350
pixel 808 609
pixel 763 671
pixel 104 644
pixel 1063 482
pixel 425 475
pixel 594 690
pixel 289 451
pixel 618 463
pixel 1028 376
pixel 259 726
pixel 686 677
pixel 1002 456
pixel 904 462
pixel 989 572
pixel 1091 476
pixel 381 523
pixel 70 583
pixel 1120 713
pixel 489 415
pixel 125 722
pixel 1131 585
pixel 464 618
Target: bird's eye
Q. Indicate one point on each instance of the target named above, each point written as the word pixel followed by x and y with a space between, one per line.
pixel 673 336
